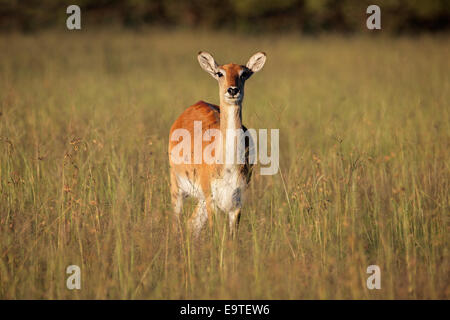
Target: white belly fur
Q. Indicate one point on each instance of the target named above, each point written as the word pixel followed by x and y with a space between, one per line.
pixel 227 193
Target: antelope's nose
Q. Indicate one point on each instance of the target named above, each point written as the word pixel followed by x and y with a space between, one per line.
pixel 232 91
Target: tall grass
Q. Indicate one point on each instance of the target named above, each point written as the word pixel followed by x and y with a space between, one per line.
pixel 364 173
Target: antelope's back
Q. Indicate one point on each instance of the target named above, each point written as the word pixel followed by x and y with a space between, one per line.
pixel 209 115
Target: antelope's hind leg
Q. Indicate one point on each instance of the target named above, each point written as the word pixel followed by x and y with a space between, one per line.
pixel 177 197
pixel 199 218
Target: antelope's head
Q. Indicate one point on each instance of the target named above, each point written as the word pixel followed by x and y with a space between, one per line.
pixel 231 77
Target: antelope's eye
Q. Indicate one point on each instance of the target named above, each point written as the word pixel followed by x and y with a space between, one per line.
pixel 219 74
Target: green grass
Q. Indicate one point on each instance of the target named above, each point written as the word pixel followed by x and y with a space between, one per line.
pixel 364 159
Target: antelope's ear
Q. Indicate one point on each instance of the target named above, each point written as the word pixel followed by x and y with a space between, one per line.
pixel 208 63
pixel 256 62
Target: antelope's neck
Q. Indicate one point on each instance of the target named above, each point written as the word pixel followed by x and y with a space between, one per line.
pixel 230 121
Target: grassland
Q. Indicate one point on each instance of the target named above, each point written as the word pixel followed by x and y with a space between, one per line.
pixel 364 167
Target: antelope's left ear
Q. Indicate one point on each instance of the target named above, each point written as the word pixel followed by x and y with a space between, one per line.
pixel 256 62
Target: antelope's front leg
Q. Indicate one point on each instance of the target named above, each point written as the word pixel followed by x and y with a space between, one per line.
pixel 234 217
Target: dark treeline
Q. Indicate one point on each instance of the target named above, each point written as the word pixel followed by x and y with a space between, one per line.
pixel 309 16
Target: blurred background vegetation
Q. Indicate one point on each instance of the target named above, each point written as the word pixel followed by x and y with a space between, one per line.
pixel 364 146
pixel 308 16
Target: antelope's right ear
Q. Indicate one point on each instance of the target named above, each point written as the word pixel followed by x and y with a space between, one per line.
pixel 256 62
pixel 208 63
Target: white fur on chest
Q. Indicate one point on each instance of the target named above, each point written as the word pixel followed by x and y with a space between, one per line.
pixel 228 191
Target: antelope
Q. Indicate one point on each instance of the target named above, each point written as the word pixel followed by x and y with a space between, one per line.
pixel 215 185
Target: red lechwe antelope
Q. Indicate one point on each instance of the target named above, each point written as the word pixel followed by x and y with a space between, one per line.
pixel 217 184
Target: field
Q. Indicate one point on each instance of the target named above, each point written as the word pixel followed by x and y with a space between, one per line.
pixel 364 167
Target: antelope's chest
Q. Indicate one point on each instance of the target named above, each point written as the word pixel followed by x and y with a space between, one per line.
pixel 228 189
